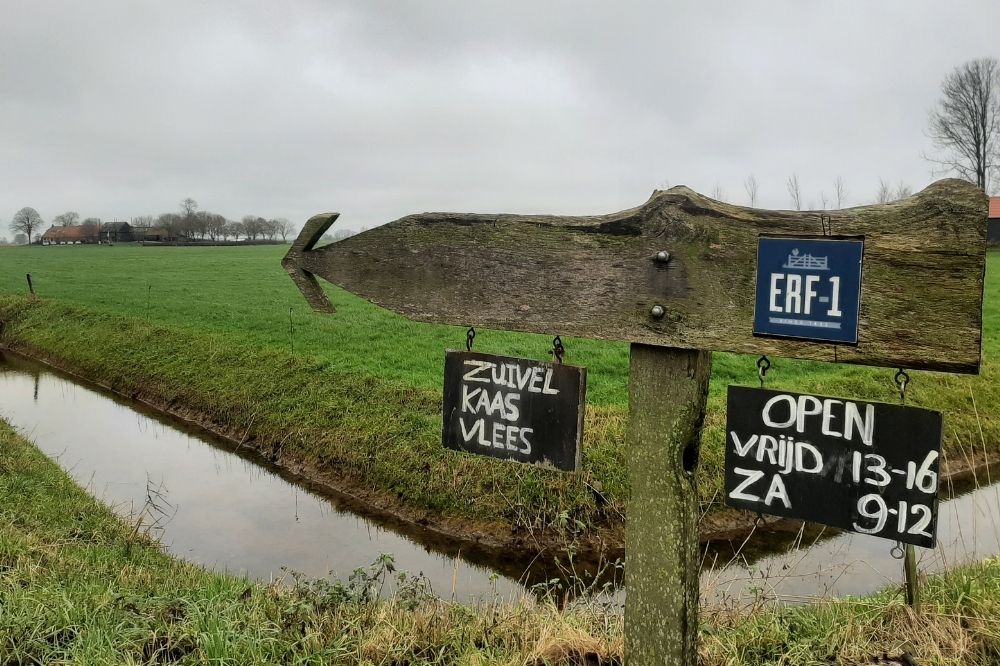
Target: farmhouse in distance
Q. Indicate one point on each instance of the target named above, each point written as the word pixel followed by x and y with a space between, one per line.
pixel 109 232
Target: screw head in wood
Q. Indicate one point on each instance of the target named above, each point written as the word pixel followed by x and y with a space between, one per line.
pixel 663 256
pixel 657 312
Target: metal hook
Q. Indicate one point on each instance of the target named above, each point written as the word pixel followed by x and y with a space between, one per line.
pixel 558 351
pixel 759 520
pixel 763 365
pixel 901 379
pixel 470 335
pixel 897 552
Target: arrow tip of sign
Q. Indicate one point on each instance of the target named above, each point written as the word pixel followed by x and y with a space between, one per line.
pixel 313 230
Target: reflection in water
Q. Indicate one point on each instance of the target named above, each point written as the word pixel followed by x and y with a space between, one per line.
pixel 223 511
pixel 968 530
pixel 230 513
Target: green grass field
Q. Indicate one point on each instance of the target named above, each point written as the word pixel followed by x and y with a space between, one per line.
pixel 243 292
pixel 80 585
pixel 359 391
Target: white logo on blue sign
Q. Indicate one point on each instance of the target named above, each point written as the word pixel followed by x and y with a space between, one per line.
pixel 808 288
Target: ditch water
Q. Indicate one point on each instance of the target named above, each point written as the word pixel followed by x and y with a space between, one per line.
pixel 223 510
pixel 230 511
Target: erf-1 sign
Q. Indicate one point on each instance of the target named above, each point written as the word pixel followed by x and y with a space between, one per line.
pixel 867 467
pixel 514 408
pixel 808 288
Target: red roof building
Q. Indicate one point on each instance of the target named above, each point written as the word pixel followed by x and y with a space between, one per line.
pixel 70 235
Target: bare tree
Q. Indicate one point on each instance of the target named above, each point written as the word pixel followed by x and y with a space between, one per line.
pixel 188 207
pixel 884 193
pixel 26 221
pixel 751 186
pixel 966 122
pixel 903 191
pixel 717 193
pixel 839 191
pixel 171 223
pixel 253 226
pixel 794 191
pixel 142 222
pixel 283 227
pixel 268 228
pixel 67 219
pixel 92 227
pixel 823 200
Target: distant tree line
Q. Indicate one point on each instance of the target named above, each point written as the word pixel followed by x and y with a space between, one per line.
pixel 188 223
pixel 194 223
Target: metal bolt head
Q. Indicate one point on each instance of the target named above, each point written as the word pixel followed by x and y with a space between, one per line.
pixel 657 312
pixel 663 256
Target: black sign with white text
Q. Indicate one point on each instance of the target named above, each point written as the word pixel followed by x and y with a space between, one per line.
pixel 867 467
pixel 514 408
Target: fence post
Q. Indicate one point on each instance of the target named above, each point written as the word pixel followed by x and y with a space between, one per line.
pixel 667 393
pixel 31 287
pixel 910 571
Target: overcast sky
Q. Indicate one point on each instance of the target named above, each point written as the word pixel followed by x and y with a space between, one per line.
pixel 380 109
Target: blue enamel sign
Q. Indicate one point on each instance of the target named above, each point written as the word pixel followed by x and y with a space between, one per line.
pixel 808 288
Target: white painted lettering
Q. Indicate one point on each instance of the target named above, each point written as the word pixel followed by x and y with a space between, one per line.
pixel 768 446
pixel 801 448
pixel 467 395
pixel 865 426
pixel 750 477
pixel 828 417
pixel 477 366
pixel 834 310
pixel 811 281
pixel 793 296
pixel 742 448
pixel 510 402
pixel 524 440
pixel 468 435
pixel 775 291
pixel 547 389
pixel 777 491
pixel 536 379
pixel 769 405
pixel 808 406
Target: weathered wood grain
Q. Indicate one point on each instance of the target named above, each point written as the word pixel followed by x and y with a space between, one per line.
pixel 597 277
pixel 668 389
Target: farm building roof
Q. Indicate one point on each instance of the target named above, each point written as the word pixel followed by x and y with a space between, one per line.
pixel 114 226
pixel 994 207
pixel 69 233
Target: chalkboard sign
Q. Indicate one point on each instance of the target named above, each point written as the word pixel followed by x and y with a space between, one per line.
pixel 808 288
pixel 867 467
pixel 514 408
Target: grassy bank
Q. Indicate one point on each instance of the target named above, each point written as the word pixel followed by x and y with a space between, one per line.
pixel 80 585
pixel 356 396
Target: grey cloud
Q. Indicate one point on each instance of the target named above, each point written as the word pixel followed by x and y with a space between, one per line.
pixel 386 108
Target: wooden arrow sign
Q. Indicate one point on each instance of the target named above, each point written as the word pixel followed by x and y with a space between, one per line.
pixel 678 271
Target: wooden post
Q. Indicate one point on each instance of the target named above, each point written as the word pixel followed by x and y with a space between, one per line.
pixel 31 287
pixel 667 392
pixel 910 570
